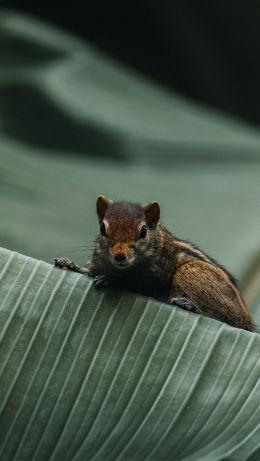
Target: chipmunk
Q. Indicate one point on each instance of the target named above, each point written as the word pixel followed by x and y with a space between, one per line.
pixel 135 251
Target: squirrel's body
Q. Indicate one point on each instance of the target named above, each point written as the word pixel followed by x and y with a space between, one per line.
pixel 135 251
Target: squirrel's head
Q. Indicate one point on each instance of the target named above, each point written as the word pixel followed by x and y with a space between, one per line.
pixel 126 230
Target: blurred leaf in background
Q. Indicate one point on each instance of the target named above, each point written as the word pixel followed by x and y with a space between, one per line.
pixel 75 124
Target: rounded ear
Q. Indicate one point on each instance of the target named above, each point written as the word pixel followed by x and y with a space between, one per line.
pixel 102 205
pixel 152 213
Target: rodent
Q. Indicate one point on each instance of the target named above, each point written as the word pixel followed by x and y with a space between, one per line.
pixel 135 251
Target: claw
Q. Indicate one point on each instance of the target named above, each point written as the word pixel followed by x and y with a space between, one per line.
pixel 101 281
pixel 184 303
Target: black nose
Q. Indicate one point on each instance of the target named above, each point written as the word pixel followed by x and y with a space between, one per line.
pixel 120 257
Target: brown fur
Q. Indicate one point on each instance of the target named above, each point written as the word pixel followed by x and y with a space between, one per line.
pixel 212 292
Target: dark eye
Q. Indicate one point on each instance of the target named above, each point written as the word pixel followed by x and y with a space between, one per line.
pixel 103 229
pixel 143 232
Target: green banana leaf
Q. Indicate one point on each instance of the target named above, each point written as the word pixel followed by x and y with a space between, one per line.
pixel 88 374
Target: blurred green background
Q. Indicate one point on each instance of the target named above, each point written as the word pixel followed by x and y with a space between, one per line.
pixel 75 123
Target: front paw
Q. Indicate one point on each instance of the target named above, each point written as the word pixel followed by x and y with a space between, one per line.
pixel 66 263
pixel 101 281
pixel 62 262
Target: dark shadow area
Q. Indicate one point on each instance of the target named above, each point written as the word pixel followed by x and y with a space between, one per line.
pixel 206 50
pixel 28 116
pixel 17 51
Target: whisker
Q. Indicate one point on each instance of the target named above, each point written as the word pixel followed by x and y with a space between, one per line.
pixel 74 251
pixel 87 248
